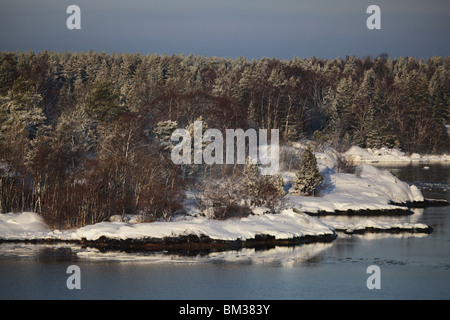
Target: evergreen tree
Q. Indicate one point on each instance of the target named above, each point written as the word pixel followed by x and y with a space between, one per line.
pixel 341 118
pixel 75 129
pixel 420 127
pixel 367 104
pixel 308 178
pixel 251 178
pixel 350 65
pixel 292 122
pixel 102 102
pixel 8 71
pixel 190 129
pixel 163 131
pixel 440 107
pixel 252 115
pixel 21 107
pixel 440 94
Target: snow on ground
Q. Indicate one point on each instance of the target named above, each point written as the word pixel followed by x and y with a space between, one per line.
pixel 26 225
pixel 285 225
pixel 369 188
pixel 385 156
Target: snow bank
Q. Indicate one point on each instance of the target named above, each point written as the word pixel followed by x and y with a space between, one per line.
pixel 22 226
pixel 285 225
pixel 386 184
pixel 385 155
pixel 368 189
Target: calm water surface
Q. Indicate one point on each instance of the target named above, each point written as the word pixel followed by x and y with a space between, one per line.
pixel 412 266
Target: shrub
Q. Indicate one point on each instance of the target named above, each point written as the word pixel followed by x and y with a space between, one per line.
pixel 225 199
pixel 260 190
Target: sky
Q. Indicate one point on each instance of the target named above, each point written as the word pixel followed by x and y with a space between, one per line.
pixel 253 29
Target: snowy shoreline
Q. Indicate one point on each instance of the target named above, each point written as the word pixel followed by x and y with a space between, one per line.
pixel 199 234
pixel 367 195
pixel 386 156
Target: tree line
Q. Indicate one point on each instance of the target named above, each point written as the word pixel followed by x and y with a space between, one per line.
pixel 81 133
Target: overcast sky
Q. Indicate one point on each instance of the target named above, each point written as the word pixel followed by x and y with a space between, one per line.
pixel 230 28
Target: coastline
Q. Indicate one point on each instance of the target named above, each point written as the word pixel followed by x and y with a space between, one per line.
pixel 367 195
pixel 194 243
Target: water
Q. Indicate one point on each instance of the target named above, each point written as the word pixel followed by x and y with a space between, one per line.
pixel 412 266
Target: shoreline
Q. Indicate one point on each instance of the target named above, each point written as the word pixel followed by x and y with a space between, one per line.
pixel 185 245
pixel 370 192
pixel 193 244
pixel 404 211
pixel 203 245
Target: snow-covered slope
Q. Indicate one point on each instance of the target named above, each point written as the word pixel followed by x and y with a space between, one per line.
pixel 369 188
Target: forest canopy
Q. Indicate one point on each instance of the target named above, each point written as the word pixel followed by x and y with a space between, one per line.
pixel 81 133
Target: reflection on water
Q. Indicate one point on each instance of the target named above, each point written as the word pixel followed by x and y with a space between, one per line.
pixel 279 256
pixel 37 252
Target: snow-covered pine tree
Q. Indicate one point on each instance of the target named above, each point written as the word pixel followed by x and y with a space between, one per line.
pixel 21 106
pixel 102 102
pixel 341 118
pixel 204 142
pixel 439 97
pixel 350 65
pixel 308 177
pixel 378 126
pixel 163 131
pixel 76 130
pixel 251 179
pixel 367 103
pixel 440 94
pixel 278 182
pixel 205 127
pixel 252 114
pixel 291 113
